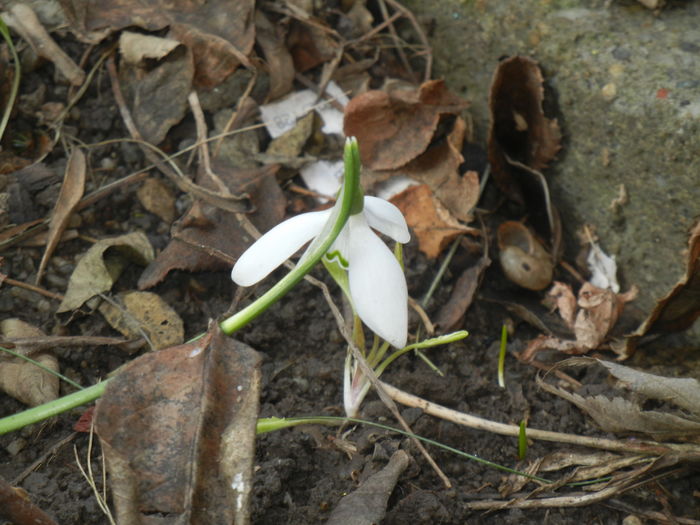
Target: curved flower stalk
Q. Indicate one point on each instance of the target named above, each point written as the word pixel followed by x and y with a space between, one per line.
pixel 376 281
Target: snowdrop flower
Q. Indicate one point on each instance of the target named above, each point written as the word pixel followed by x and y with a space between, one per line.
pixel 377 283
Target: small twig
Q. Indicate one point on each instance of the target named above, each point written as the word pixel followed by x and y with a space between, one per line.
pixel 647 448
pixel 31 287
pixel 397 42
pixel 232 122
pixel 421 36
pixel 37 463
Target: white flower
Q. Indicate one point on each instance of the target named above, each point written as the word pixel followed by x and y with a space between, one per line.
pixel 377 282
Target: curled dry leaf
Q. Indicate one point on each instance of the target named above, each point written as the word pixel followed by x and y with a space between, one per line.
pixel 523 258
pixel 102 264
pixel 680 308
pixel 219 33
pixel 394 128
pixel 597 312
pixel 519 130
pixel 280 65
pixel 136 48
pixel 430 221
pixel 145 314
pixel 72 191
pixel 622 415
pixel 177 429
pixel 21 379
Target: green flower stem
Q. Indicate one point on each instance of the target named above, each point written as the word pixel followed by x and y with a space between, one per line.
pixel 53 408
pixel 348 202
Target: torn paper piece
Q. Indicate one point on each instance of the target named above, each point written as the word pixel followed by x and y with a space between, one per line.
pixel 281 115
pixel 323 177
pixel 393 186
pixel 603 269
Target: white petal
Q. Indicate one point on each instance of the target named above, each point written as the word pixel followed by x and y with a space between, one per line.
pixel 276 246
pixel 387 218
pixel 377 284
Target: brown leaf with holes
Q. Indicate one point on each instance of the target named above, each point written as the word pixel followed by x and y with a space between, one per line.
pixel 519 130
pixel 71 192
pixel 211 239
pixel 396 127
pixel 219 33
pixel 680 308
pixel 177 429
pixel 431 222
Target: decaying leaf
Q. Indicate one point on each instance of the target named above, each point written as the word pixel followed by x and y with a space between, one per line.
pixel 597 312
pixel 620 414
pixel 367 504
pixel 396 127
pixel 136 48
pixel 158 198
pixel 680 308
pixel 430 221
pixel 102 264
pixel 145 314
pixel 219 33
pixel 280 65
pixel 158 95
pixel 21 379
pixel 211 239
pixel 519 130
pixel 177 428
pixel 681 391
pixel 71 192
pixel 16 508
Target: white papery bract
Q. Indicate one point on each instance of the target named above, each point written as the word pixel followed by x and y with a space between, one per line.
pixel 377 283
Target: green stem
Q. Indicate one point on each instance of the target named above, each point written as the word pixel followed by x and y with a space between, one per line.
pixel 53 408
pixel 347 202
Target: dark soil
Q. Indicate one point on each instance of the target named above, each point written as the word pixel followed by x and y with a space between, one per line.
pixel 300 474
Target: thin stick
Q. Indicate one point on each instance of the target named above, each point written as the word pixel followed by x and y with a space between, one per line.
pixel 32 288
pixel 647 448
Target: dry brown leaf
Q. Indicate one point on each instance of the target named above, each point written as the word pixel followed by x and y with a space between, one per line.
pixel 145 314
pixel 72 191
pixel 158 198
pixel 598 311
pixel 177 428
pixel 310 46
pixel 680 308
pixel 367 504
pixel 219 33
pixel 519 130
pixel 16 508
pixel 21 379
pixel 280 65
pixel 211 239
pixel 394 128
pixel 622 416
pixel 681 391
pixel 431 222
pixel 452 312
pixel 158 95
pixel 102 264
pixel 561 297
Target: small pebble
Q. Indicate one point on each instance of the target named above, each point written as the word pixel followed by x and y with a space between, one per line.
pixel 609 91
pixel 16 446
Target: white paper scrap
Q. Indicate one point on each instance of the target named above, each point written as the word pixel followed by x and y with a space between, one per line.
pixel 603 269
pixel 323 177
pixel 281 115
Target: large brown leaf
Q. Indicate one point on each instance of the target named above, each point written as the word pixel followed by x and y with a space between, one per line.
pixel 177 427
pixel 220 33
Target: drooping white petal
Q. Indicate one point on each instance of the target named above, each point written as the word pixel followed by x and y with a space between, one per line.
pixel 377 283
pixel 276 246
pixel 387 218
